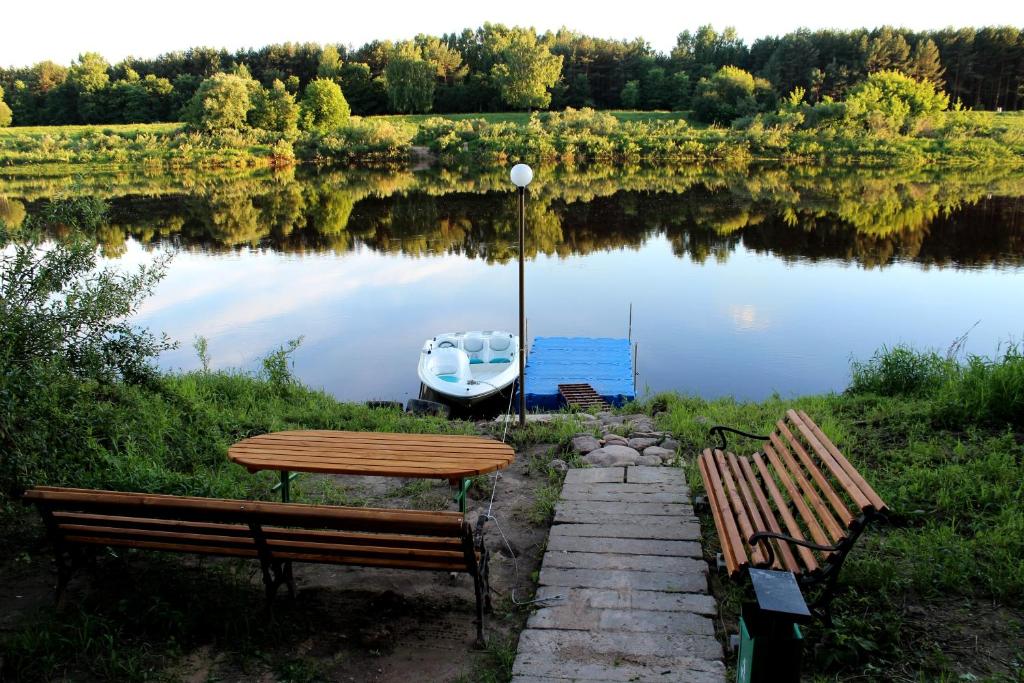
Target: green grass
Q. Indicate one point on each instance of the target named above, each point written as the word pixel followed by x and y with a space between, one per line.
pixel 521 117
pixel 951 479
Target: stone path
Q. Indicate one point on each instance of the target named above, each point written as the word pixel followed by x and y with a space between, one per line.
pixel 624 553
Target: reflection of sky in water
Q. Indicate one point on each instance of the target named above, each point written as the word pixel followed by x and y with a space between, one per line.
pixel 747 326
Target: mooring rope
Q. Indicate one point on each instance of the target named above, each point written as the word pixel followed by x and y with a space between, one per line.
pixel 489 516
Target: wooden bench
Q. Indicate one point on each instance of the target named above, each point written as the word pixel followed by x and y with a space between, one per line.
pixel 277 534
pixel 797 505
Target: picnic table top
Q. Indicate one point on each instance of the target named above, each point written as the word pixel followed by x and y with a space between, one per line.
pixel 428 456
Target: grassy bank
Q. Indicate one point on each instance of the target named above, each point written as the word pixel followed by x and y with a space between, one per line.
pixel 940 441
pixel 586 136
pixel 937 592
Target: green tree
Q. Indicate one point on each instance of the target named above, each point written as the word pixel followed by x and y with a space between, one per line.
pixel 222 102
pixel 330 63
pixel 729 94
pixel 275 109
pixel 892 102
pixel 89 81
pixel 6 115
pixel 323 106
pixel 925 64
pixel 524 70
pixel 888 51
pixel 89 72
pixel 445 60
pixel 630 95
pixel 364 94
pixel 410 80
pixel 678 91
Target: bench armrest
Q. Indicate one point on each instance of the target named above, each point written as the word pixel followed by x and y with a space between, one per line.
pixel 720 430
pixel 765 535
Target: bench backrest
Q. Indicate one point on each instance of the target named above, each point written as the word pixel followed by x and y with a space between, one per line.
pixel 415 539
pixel 799 485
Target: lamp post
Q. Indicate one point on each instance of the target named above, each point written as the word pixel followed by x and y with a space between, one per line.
pixel 521 176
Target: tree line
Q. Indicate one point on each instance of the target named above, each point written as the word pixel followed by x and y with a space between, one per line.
pixel 497 68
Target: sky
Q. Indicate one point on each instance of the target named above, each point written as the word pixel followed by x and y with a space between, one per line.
pixel 62 29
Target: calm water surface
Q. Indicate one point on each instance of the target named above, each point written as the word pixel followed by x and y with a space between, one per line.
pixel 741 283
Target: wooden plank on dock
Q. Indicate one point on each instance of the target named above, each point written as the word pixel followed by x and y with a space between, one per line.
pixel 581 396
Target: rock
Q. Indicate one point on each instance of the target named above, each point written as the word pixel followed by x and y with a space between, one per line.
pixel 648 460
pixel 616 440
pixel 701 420
pixel 670 444
pixel 560 465
pixel 649 435
pixel 663 454
pixel 641 443
pixel 585 443
pixel 612 456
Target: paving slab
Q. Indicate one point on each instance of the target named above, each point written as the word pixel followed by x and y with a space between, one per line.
pixel 583 511
pixel 636 474
pixel 625 598
pixel 655 648
pixel 625 563
pixel 528 669
pixel 688 670
pixel 640 563
pixel 581 618
pixel 678 529
pixel 594 475
pixel 622 546
pixel 574 493
pixel 623 578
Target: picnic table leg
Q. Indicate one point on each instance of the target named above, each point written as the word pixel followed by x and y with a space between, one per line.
pixel 460 494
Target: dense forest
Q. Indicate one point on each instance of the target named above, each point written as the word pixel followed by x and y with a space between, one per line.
pixel 483 70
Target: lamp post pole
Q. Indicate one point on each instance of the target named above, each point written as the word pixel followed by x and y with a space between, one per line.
pixel 522 306
pixel 521 176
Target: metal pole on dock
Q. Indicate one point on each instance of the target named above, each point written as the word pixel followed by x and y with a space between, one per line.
pixel 630 333
pixel 522 306
pixel 521 176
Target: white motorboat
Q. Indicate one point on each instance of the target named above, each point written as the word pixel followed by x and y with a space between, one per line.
pixel 469 367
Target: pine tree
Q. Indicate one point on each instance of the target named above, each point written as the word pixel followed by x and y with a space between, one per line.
pixel 925 64
pixel 888 51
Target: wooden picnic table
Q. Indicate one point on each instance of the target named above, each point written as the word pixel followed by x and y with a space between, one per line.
pixel 429 456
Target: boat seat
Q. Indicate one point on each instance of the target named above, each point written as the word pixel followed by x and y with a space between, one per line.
pixel 499 343
pixel 474 346
pixel 501 360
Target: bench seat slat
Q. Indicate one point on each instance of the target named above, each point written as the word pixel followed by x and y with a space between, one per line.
pixel 235 511
pixel 732 546
pixel 809 520
pixel 838 506
pixel 747 499
pixel 743 521
pixel 792 526
pixel 809 493
pixel 851 471
pixel 834 467
pixel 782 551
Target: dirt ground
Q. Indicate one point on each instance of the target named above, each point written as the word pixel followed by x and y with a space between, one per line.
pixel 345 624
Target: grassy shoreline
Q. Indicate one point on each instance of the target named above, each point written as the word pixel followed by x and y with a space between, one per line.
pixel 942 442
pixel 574 137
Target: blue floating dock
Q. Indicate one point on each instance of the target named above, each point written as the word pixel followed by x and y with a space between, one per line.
pixel 603 363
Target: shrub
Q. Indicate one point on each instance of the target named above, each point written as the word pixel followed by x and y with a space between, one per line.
pixel 891 102
pixel 222 102
pixel 323 106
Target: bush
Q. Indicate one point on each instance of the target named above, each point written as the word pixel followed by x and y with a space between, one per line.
pixel 729 94
pixel 891 102
pixel 222 102
pixel 323 106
